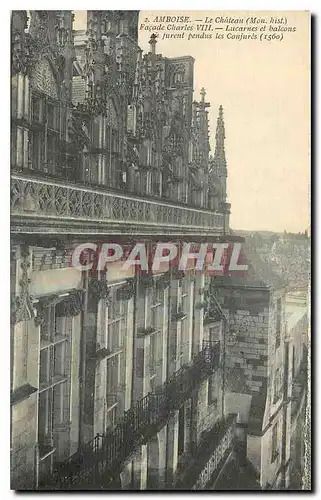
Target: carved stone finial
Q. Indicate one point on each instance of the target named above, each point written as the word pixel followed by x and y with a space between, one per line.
pixel 203 94
pixel 22 307
pixel 219 155
pixel 152 43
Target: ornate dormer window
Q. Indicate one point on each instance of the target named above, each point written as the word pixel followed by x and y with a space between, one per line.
pixel 178 75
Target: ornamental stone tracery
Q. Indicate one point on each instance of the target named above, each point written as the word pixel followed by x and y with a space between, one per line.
pixel 148 100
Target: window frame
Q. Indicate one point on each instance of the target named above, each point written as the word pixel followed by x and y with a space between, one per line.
pixel 48 343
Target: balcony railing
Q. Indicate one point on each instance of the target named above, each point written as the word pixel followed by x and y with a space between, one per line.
pixel 221 447
pixel 62 203
pixel 209 456
pixel 100 460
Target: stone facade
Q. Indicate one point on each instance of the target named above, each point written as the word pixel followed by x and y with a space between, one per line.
pixel 265 331
pixel 108 141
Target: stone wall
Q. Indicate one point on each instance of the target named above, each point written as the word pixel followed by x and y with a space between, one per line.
pixel 23 439
pixel 247 339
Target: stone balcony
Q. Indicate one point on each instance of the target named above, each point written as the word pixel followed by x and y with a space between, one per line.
pixel 101 460
pixel 40 205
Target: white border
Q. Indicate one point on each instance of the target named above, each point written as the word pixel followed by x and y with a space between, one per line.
pixel 311 5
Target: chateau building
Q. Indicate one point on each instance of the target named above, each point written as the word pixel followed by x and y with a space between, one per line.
pixel 266 370
pixel 118 376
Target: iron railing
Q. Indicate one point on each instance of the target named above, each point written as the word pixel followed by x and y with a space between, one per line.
pixel 65 202
pixel 100 460
pixel 207 460
pixel 221 446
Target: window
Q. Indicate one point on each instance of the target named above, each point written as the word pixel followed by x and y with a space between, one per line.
pixel 155 320
pixel 275 443
pixel 113 366
pixel 156 183
pixel 54 378
pixel 44 137
pixel 117 318
pixel 278 323
pixel 157 299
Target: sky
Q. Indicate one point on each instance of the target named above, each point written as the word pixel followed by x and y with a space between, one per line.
pixel 264 88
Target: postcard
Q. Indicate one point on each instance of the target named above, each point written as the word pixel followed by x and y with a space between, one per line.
pixel 160 250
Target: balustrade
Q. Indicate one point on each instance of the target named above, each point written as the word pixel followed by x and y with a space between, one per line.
pixel 223 441
pixel 64 202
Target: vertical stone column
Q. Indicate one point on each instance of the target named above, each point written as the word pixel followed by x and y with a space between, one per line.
pixel 104 340
pixel 26 334
pixel 162 441
pixel 140 469
pixel 89 369
pixel 126 477
pixel 20 96
pixel 190 319
pixel 101 371
pixel 164 341
pixel 20 115
pixel 101 145
pixel 25 377
pixel 187 425
pixel 153 463
pixel 98 289
pixel 74 379
pixel 198 314
pixel 172 449
pixel 26 116
pixel 174 341
pixel 129 355
pixel 193 422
